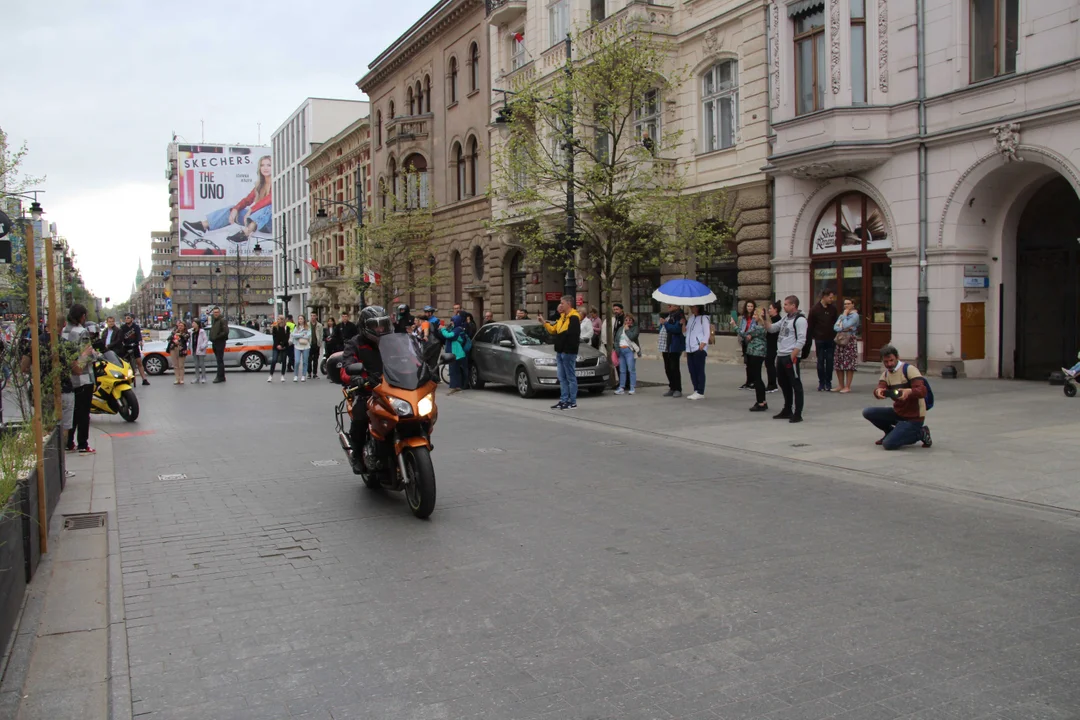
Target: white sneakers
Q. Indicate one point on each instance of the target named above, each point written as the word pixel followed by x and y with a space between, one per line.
pixel 303 378
pixel 293 378
pixel 694 396
pixel 282 378
pixel 270 379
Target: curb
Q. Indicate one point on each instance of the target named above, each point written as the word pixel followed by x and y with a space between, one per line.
pixel 118 662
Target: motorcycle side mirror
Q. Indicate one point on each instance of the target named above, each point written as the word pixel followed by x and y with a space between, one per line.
pixel 506 343
pixel 447 358
pixel 355 369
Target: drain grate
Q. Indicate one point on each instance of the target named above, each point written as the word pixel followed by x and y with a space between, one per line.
pixel 84 521
pixel 173 476
pixel 800 444
pixel 324 463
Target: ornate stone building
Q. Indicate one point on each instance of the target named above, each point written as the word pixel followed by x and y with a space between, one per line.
pixel 430 99
pixel 926 165
pixel 339 170
pixel 721 109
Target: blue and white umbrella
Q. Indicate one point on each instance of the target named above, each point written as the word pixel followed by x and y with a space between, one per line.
pixel 684 292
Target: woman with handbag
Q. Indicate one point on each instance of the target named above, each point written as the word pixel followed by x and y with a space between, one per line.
pixel 199 342
pixel 177 348
pixel 742 326
pixel 753 336
pixel 626 343
pixel 847 345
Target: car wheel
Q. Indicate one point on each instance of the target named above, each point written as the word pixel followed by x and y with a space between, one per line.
pixel 252 362
pixel 154 364
pixel 524 386
pixel 474 378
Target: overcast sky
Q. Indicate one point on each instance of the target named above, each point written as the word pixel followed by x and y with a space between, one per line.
pixel 96 90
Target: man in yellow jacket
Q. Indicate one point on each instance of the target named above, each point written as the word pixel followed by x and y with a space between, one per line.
pixel 567 332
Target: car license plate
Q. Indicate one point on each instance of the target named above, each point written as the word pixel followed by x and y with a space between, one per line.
pixel 585 373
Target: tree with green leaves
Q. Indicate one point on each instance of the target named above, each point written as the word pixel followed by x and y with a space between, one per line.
pixel 397 242
pixel 630 204
pixel 12 180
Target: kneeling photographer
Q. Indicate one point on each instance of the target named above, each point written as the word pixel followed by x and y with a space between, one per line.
pixel 905 422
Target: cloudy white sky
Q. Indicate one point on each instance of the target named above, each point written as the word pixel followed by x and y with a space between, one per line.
pixel 96 90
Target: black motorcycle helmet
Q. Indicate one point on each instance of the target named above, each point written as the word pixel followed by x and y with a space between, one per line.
pixel 374 323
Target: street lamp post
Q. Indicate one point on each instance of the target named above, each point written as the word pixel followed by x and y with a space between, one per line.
pixel 281 242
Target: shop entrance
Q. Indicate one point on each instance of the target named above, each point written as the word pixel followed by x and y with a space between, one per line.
pixel 849 257
pixel 1048 282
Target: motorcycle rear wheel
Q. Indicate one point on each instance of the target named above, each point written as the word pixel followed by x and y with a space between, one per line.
pixel 420 485
pixel 129 406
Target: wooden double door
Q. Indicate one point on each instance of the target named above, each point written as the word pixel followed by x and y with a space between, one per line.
pixel 866 279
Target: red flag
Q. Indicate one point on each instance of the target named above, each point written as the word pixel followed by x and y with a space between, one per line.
pixel 313 263
pixel 519 37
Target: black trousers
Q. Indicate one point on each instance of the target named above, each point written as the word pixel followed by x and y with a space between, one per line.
pixel 313 362
pixel 80 422
pixel 596 342
pixel 770 368
pixel 290 359
pixel 787 372
pixel 753 371
pixel 673 370
pixel 219 357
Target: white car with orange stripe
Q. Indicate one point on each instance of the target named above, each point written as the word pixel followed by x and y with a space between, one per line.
pixel 245 348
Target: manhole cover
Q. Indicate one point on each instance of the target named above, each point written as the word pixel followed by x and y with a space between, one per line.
pixel 490 451
pixel 324 463
pixel 173 476
pixel 800 444
pixel 84 521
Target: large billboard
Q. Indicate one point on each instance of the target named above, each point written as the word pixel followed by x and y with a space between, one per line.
pixel 225 199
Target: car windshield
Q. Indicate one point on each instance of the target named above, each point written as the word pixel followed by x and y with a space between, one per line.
pixel 532 335
pixel 403 364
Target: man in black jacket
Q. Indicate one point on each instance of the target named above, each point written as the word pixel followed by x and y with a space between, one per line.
pixel 347 327
pixel 363 348
pixel 131 341
pixel 219 333
pixel 567 332
pixel 821 320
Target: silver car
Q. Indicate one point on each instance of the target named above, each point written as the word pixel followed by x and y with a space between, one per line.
pixel 522 353
pixel 245 348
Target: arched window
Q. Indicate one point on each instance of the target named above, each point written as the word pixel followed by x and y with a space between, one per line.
pixel 378 127
pixel 419 98
pixel 391 110
pixel 455 264
pixel 412 101
pixel 427 93
pixel 472 149
pixel 518 297
pixel 478 263
pixel 432 282
pixel 720 105
pixel 452 79
pixel 474 67
pixel 392 168
pixel 459 171
pixel 416 195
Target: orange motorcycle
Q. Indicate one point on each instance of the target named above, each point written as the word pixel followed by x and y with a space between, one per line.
pixel 401 411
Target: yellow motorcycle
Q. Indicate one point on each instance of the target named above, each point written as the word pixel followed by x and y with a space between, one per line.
pixel 114 388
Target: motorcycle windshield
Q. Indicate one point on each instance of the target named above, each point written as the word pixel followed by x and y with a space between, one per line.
pixel 403 365
pixel 110 357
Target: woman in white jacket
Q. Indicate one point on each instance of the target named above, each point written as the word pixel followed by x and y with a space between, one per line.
pixel 199 341
pixel 697 330
pixel 301 341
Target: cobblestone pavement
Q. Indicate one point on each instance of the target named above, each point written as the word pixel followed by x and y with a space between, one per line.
pixel 570 571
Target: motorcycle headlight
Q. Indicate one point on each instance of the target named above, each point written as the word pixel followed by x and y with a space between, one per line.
pixel 401 407
pixel 117 374
pixel 544 362
pixel 426 405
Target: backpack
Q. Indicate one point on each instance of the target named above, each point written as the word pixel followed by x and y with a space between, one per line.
pixel 467 344
pixel 929 400
pixel 806 341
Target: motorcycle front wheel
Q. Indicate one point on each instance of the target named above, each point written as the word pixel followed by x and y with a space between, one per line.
pixel 420 484
pixel 129 406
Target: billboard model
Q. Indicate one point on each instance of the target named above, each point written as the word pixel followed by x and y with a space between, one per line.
pixel 225 200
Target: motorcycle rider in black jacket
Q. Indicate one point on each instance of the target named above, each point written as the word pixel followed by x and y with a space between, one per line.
pixel 364 348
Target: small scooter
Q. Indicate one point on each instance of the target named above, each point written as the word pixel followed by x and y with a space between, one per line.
pixel 114 388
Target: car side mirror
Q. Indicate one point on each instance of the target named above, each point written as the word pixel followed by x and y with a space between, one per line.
pixel 355 369
pixel 506 343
